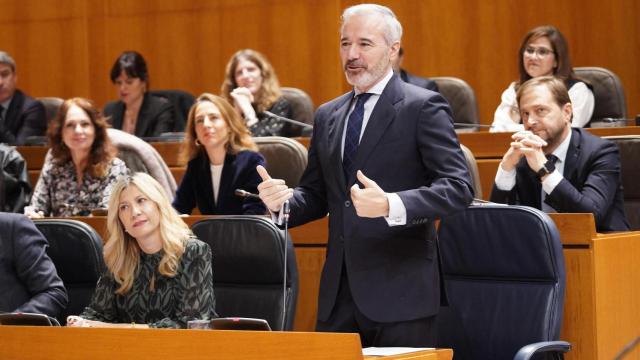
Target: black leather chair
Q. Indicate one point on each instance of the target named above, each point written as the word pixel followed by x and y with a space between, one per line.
pixel 286 158
pixel 248 268
pixel 608 93
pixel 51 106
pixel 462 100
pixel 181 101
pixel 302 109
pixel 504 275
pixel 15 189
pixel 629 147
pixel 76 250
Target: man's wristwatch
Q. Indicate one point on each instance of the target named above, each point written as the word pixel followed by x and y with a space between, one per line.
pixel 546 169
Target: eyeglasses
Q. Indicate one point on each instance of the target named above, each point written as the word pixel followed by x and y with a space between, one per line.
pixel 541 51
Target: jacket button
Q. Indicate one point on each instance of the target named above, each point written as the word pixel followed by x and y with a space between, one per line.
pixel 347 203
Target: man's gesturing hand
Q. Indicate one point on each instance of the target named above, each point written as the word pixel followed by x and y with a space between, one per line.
pixel 273 192
pixel 371 201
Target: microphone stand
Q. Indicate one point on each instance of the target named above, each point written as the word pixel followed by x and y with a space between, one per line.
pixel 290 121
pixel 285 217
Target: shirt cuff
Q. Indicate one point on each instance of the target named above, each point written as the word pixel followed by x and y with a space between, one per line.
pixel 551 181
pixel 397 211
pixel 505 180
pixel 277 217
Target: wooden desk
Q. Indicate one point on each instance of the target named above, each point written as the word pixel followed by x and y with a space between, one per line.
pixel 26 343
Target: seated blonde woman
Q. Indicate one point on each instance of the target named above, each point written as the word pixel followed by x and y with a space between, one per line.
pixel 158 274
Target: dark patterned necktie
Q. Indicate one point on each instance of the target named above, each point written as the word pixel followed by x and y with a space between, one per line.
pixel 352 137
pixel 546 205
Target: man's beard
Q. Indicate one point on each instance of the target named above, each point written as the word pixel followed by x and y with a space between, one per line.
pixel 368 77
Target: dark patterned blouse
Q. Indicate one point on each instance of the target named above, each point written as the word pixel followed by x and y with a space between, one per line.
pixel 57 192
pixel 270 126
pixel 157 300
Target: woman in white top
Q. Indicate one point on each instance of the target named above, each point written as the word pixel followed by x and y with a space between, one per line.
pixel 222 158
pixel 544 52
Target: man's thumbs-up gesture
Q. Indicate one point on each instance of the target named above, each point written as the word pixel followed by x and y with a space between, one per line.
pixel 371 201
pixel 273 192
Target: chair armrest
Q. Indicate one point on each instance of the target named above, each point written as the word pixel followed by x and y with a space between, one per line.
pixel 527 351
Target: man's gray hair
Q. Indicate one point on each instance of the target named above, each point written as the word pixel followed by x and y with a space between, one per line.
pixel 393 31
pixel 6 59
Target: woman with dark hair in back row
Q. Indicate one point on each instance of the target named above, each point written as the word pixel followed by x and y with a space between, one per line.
pixel 544 52
pixel 137 112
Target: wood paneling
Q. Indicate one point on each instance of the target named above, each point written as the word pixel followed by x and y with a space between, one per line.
pixel 67 48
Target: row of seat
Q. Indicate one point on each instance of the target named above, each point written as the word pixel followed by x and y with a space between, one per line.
pixel 610 101
pixel 302 107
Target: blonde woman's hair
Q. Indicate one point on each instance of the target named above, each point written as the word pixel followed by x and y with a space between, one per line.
pixel 269 91
pixel 122 252
pixel 239 136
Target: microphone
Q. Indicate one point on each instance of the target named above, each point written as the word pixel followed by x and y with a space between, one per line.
pixel 247 195
pixel 287 120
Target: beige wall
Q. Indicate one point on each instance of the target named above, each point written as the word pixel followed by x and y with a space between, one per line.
pixel 66 48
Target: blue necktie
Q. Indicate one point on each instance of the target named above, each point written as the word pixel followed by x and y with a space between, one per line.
pixel 352 137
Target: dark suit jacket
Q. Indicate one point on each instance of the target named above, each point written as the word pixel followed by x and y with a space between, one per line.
pixel 409 147
pixel 418 81
pixel 25 117
pixel 28 279
pixel 155 116
pixel 591 183
pixel 239 172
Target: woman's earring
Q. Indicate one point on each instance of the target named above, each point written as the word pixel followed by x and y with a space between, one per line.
pixel 198 143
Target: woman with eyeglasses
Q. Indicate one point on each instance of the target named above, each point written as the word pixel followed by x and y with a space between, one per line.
pixel 544 52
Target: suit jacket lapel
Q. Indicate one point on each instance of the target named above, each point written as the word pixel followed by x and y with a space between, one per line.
pixel 226 180
pixel 573 155
pixel 142 124
pixel 336 127
pixel 207 185
pixel 381 117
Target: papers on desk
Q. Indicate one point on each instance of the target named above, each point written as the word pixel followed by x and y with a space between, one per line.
pixel 388 351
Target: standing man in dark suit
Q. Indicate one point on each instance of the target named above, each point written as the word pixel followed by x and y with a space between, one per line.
pixel 410 78
pixel 552 167
pixel 384 163
pixel 28 279
pixel 20 115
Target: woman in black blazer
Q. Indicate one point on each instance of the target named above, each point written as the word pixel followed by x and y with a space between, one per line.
pixel 138 112
pixel 222 158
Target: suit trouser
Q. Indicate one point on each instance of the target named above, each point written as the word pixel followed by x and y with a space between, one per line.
pixel 346 317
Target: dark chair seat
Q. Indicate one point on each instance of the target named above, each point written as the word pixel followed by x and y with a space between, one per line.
pixel 76 250
pixel 249 267
pixel 462 100
pixel 629 147
pixel 504 276
pixel 286 158
pixel 608 92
